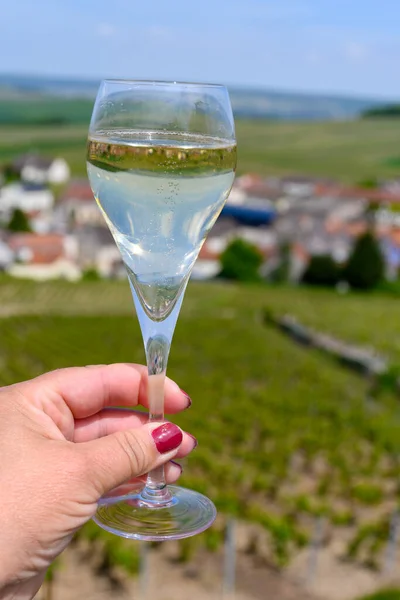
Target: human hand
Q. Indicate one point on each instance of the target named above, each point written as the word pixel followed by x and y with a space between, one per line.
pixel 62 448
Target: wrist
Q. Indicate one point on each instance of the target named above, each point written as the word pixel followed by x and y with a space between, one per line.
pixel 22 590
pixel 14 584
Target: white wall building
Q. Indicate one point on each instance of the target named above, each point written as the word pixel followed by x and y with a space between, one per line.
pixel 6 256
pixel 38 169
pixel 28 198
pixel 77 208
pixel 59 269
pixel 43 257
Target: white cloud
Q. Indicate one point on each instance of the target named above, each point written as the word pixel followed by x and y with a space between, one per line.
pixel 106 30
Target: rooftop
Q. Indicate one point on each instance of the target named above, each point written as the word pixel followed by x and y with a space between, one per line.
pixel 97 235
pixel 78 190
pixel 32 160
pixel 37 249
pixel 373 195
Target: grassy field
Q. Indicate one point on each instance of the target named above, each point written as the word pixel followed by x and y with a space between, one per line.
pixel 390 594
pixel 68 142
pixel 37 109
pixel 349 151
pixel 295 434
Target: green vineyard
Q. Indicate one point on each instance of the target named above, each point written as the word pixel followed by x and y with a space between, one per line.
pixel 285 435
pixel 350 151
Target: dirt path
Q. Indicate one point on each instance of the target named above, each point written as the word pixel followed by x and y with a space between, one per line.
pixel 169 580
pixel 79 578
pixel 336 579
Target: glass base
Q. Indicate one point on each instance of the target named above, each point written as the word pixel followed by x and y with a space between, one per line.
pixel 135 517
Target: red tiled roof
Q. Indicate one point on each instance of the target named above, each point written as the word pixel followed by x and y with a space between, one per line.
pixel 376 195
pixel 32 160
pixel 249 178
pixel 45 249
pixel 207 254
pixel 78 190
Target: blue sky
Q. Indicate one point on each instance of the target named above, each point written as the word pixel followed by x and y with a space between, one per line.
pixel 349 46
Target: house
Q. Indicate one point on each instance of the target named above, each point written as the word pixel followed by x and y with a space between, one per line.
pixel 43 257
pixel 28 197
pixel 225 230
pixel 207 265
pixel 320 225
pixel 385 196
pixel 298 186
pixel 33 168
pixel 299 259
pixel 254 186
pixel 41 222
pixel 77 207
pixel 6 256
pixel 97 249
pixel 237 196
pixel 392 185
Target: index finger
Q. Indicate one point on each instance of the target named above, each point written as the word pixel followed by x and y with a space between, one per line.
pixel 87 390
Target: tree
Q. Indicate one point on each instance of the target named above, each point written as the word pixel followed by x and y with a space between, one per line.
pixel 321 270
pixel 369 183
pixel 9 174
pixel 19 221
pixel 366 266
pixel 390 110
pixel 241 261
pixel 91 274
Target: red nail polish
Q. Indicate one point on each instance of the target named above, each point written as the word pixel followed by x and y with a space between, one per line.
pixel 167 437
pixel 188 398
pixel 195 442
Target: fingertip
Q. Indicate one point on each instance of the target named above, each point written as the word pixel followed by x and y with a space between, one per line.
pixel 173 470
pixel 187 398
pixel 177 467
pixel 176 399
pixel 189 443
pixel 194 440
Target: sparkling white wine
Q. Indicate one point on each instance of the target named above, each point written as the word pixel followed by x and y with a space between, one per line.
pixel 160 194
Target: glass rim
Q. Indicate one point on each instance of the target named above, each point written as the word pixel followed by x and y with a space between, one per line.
pixel 164 82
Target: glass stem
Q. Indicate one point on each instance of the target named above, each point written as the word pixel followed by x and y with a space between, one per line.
pixel 157 351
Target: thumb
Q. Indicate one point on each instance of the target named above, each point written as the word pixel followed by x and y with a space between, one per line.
pixel 113 459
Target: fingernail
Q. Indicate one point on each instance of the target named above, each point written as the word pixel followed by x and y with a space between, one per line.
pixel 195 442
pixel 176 464
pixel 188 398
pixel 167 437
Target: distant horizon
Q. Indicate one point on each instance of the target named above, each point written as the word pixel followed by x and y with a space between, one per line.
pixel 329 47
pixel 93 79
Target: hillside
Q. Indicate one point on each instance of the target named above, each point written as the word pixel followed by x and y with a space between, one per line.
pixel 34 109
pixel 388 112
pixel 348 151
pixel 50 95
pixel 276 436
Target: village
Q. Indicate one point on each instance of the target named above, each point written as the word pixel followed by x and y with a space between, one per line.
pixel 51 227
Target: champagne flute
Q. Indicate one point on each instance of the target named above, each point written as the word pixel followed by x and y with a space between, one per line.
pixel 161 161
